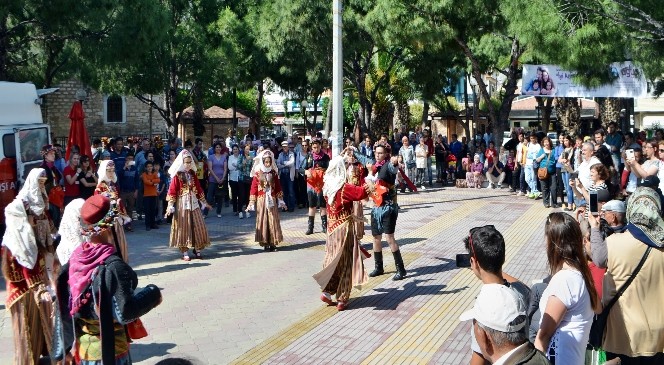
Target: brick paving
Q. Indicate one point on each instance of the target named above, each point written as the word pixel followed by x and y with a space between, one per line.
pixel 241 305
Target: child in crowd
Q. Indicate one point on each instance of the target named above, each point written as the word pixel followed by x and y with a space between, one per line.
pixel 151 182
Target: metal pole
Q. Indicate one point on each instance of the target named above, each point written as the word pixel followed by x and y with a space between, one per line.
pixel 150 117
pixel 337 79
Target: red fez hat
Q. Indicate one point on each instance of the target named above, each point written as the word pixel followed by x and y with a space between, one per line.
pixel 95 209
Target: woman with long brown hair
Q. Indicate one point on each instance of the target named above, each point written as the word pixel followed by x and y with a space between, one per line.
pixel 570 300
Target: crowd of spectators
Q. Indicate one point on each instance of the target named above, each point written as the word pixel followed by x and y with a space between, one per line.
pixel 599 303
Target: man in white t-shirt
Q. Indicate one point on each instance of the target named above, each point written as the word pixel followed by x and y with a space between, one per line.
pixel 486 247
pixel 498 323
pixel 587 151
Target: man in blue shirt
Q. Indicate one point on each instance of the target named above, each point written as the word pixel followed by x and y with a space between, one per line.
pixel 119 152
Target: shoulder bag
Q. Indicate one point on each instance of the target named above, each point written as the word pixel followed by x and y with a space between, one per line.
pixel 543 172
pixel 599 324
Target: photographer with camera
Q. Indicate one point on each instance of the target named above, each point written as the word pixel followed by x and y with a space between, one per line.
pixel 486 251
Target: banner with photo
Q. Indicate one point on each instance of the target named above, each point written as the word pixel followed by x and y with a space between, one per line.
pixel 551 81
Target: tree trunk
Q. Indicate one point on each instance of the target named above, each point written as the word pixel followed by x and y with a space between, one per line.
pixel 328 119
pixel 610 111
pixel 4 48
pixel 383 115
pixel 256 121
pixel 401 115
pixel 568 111
pixel 545 105
pixel 197 98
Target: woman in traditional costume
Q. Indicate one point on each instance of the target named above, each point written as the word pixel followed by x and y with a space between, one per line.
pixel 266 198
pixel 27 263
pixel 343 268
pixel 97 295
pixel 355 175
pixel 186 201
pixel 108 187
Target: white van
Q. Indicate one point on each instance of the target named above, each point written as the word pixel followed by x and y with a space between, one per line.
pixel 22 135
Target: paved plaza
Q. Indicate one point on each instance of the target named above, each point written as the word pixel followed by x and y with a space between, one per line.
pixel 243 306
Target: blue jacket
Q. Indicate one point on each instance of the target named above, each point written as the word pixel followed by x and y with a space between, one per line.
pixel 549 160
pixel 128 179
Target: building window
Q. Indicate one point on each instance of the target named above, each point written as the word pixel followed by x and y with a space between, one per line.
pixel 115 109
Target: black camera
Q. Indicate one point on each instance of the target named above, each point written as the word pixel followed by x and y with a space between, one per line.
pixel 463 260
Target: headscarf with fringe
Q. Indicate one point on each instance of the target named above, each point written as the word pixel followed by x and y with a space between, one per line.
pixel 644 216
pixel 178 164
pixel 334 178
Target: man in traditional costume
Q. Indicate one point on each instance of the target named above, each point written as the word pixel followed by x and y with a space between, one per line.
pixel 27 263
pixel 343 267
pixel 384 215
pixel 266 198
pixel 186 200
pixel 315 165
pixel 108 187
pixel 98 303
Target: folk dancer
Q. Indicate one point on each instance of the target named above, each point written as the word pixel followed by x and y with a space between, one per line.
pixel 315 166
pixel 355 174
pixel 266 198
pixel 186 200
pixel 27 261
pixel 384 216
pixel 97 294
pixel 343 268
pixel 108 187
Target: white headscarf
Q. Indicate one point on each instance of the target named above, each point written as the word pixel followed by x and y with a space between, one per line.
pixel 32 193
pixel 259 165
pixel 178 163
pixel 70 230
pixel 101 171
pixel 334 178
pixel 19 237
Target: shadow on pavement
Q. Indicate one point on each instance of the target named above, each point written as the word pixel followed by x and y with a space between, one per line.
pixel 299 246
pixel 169 268
pixel 447 264
pixel 144 351
pixel 401 241
pixel 413 207
pixel 390 298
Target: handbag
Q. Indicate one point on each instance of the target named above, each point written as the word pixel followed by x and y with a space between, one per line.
pixel 136 330
pixel 543 172
pixel 599 324
pixel 57 196
pixel 411 165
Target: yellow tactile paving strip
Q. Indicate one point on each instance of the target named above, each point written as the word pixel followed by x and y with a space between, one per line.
pixel 417 341
pixel 283 339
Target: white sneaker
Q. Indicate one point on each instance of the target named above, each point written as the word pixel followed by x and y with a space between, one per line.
pixel 519 193
pixel 423 188
pixel 240 215
pixel 218 215
pixel 247 215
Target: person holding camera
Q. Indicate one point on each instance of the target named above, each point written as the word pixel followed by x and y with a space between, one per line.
pixel 486 248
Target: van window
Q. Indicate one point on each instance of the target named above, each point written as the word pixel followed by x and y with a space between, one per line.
pixel 8 145
pixel 32 141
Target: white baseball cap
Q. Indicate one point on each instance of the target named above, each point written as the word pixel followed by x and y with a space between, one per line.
pixel 615 206
pixel 496 307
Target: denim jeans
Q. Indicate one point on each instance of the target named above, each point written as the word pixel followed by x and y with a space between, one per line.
pixel 429 170
pixel 531 178
pixel 212 197
pixel 522 179
pixel 288 187
pixel 568 188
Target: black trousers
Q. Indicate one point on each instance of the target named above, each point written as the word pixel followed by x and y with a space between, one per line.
pixel 150 209
pixel 300 190
pixel 516 178
pixel 559 185
pixel 549 189
pixel 243 194
pixel 235 191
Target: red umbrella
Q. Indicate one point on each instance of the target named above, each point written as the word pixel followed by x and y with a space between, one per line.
pixel 78 135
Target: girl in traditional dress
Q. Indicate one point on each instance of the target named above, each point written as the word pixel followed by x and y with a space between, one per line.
pixel 108 187
pixel 186 201
pixel 27 263
pixel 355 175
pixel 343 267
pixel 266 198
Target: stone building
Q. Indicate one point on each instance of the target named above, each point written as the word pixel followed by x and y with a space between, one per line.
pixel 105 115
pixel 216 120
